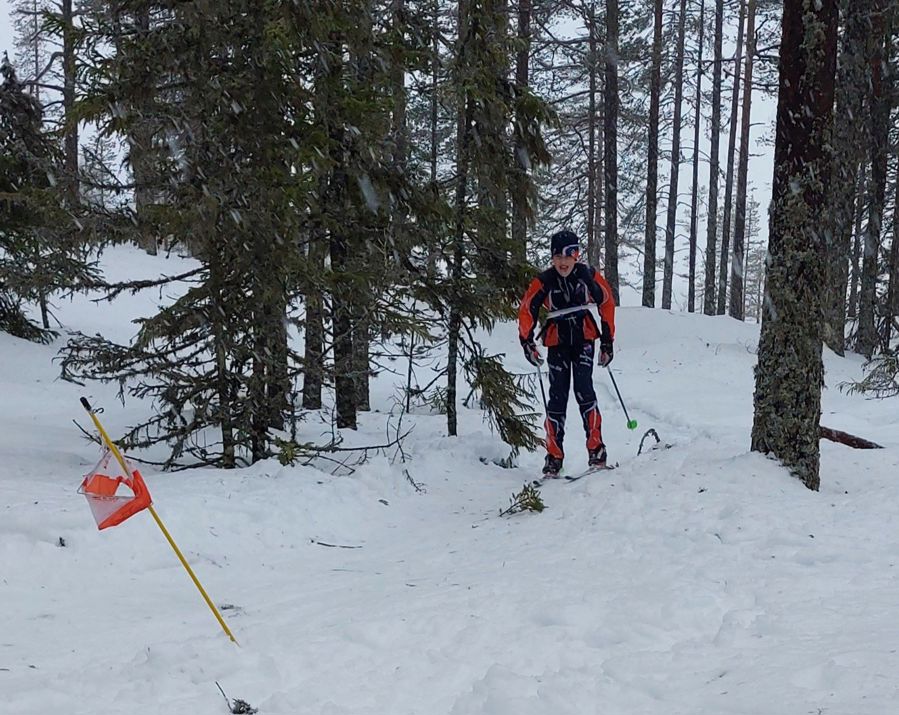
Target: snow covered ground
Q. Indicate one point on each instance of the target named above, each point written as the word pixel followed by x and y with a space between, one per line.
pixel 696 580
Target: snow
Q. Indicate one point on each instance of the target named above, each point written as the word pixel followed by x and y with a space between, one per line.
pixel 699 579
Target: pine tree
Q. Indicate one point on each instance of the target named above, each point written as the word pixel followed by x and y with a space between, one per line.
pixel 729 177
pixel 671 224
pixel 736 279
pixel 790 370
pixel 715 129
pixel 652 169
pixel 40 247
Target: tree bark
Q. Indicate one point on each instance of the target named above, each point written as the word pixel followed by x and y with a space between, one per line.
pixel 652 170
pixel 671 219
pixel 850 91
pixel 70 142
pixel 694 200
pixel 711 238
pixel 736 278
pixel 879 123
pixel 610 141
pixel 861 181
pixel 729 179
pixel 520 168
pixel 790 369
pixel 594 158
pixel 893 289
pixel 850 440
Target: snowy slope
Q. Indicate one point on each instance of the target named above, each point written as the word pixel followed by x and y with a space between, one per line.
pixel 700 579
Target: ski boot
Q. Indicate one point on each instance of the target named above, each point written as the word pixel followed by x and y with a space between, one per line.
pixel 551 467
pixel 596 458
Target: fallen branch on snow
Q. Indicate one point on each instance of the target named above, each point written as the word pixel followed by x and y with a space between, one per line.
pixel 850 440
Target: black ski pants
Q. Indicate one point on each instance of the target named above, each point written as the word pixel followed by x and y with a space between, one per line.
pixel 565 362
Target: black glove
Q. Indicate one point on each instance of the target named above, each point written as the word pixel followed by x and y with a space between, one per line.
pixel 531 354
pixel 606 353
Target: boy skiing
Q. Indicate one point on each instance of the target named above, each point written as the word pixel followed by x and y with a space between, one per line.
pixel 569 338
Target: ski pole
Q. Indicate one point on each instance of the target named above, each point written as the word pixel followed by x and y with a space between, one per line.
pixel 542 390
pixel 631 424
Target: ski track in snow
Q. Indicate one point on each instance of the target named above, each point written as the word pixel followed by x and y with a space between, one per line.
pixel 696 580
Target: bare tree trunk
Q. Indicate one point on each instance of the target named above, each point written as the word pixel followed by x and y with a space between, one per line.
pixel 314 333
pixel 671 219
pixel 610 140
pixel 463 139
pixel 594 161
pixel 861 181
pixel 893 290
pixel 218 317
pixel 70 142
pixel 790 369
pixel 729 180
pixel 345 387
pixel 736 276
pixel 519 174
pixel 361 359
pixel 851 82
pixel 435 86
pixel 711 238
pixel 691 290
pixel 879 118
pixel 652 170
pixel 140 144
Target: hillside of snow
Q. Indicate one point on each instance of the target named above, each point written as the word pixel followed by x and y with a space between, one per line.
pixel 701 579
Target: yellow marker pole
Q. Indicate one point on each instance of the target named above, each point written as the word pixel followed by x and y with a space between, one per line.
pixel 118 455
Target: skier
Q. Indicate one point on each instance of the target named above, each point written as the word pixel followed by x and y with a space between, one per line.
pixel 569 339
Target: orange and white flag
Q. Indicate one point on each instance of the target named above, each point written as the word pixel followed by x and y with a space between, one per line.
pixel 110 505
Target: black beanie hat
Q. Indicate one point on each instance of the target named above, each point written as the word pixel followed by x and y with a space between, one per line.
pixel 564 243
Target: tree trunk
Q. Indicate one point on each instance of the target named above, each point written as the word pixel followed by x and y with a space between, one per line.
pixel 140 146
pixel 671 218
pixel 893 290
pixel 70 142
pixel 463 139
pixel 342 325
pixel 861 181
pixel 610 140
pixel 218 314
pixel 729 180
pixel 711 238
pixel 879 123
pixel 361 360
pixel 652 171
pixel 519 175
pixel 790 369
pixel 851 82
pixel 691 289
pixel 435 88
pixel 736 276
pixel 594 160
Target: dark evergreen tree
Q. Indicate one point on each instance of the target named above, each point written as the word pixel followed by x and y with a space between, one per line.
pixel 41 249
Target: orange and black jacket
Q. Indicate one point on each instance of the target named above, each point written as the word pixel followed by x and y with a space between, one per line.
pixel 582 286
